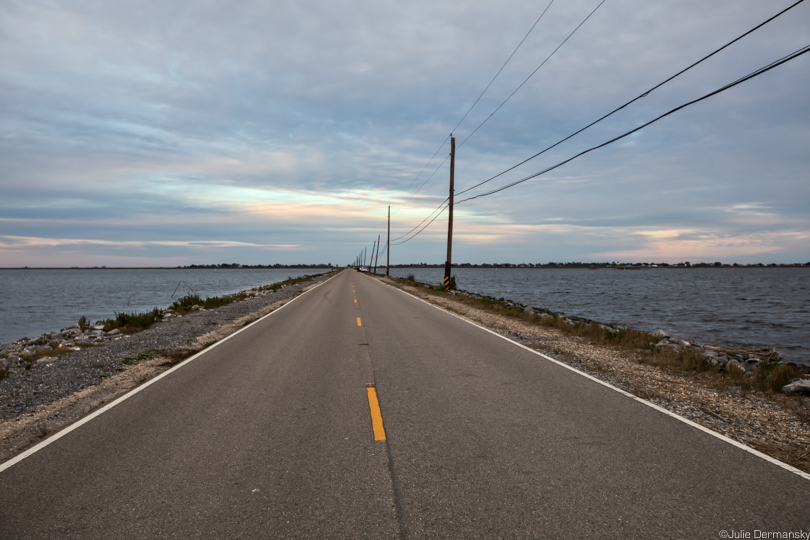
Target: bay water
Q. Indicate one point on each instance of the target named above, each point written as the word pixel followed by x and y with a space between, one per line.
pixel 731 306
pixel 35 301
pixel 725 306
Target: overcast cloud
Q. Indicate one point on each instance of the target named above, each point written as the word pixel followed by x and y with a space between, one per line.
pixel 169 133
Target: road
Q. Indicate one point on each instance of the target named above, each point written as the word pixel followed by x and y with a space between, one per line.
pixel 270 434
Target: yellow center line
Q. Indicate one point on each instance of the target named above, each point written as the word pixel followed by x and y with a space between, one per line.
pixel 358 322
pixel 376 415
pixel 355 300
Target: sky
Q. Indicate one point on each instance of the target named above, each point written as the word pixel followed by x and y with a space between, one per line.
pixel 166 133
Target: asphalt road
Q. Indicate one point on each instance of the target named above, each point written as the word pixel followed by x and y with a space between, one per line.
pixel 270 434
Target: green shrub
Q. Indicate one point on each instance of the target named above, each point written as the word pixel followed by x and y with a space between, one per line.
pixel 129 323
pixel 84 323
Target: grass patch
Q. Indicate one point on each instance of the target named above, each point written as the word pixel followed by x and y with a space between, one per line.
pixel 792 455
pixel 178 355
pixel 54 353
pixel 130 323
pixel 186 304
pixel 770 377
pixel 84 323
pixel 142 356
pixel 42 430
pixel 643 393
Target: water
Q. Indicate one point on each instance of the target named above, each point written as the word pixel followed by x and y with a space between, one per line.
pixel 33 302
pixel 742 306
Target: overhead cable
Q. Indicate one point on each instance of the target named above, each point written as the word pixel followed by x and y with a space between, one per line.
pixel 426 181
pixel 503 66
pixel 425 167
pixel 472 106
pixel 751 75
pixel 443 208
pixel 428 217
pixel 645 94
pixel 502 104
pixel 531 74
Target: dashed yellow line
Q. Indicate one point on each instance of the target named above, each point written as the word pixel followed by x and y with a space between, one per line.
pixel 355 300
pixel 376 415
pixel 358 322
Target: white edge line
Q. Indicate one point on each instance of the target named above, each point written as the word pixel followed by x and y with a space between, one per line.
pixel 33 450
pixel 720 436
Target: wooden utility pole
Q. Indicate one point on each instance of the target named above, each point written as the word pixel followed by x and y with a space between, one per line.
pixel 388 243
pixel 377 256
pixel 371 259
pixel 447 264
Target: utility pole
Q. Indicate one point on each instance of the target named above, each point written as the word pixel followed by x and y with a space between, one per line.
pixel 377 257
pixel 371 259
pixel 388 243
pixel 447 264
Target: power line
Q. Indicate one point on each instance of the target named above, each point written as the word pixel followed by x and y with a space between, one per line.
pixel 742 79
pixel 645 94
pixel 503 66
pixel 425 167
pixel 444 207
pixel 471 108
pixel 531 74
pixel 409 232
pixel 427 180
pixel 751 75
pixel 499 106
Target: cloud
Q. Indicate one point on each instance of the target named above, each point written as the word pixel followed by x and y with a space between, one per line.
pixel 225 121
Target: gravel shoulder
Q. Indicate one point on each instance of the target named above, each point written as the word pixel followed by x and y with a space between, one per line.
pixel 777 425
pixel 53 392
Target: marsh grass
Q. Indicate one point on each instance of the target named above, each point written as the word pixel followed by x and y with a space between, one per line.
pixel 770 377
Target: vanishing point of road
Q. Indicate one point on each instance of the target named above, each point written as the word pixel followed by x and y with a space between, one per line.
pixel 359 411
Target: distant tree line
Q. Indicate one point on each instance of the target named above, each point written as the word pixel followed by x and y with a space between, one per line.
pixel 236 265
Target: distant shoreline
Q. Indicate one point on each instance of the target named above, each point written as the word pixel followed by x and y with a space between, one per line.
pixel 594 266
pixel 585 266
pixel 194 267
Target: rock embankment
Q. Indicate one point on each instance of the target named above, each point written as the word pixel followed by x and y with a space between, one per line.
pixel 38 371
pixel 725 358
